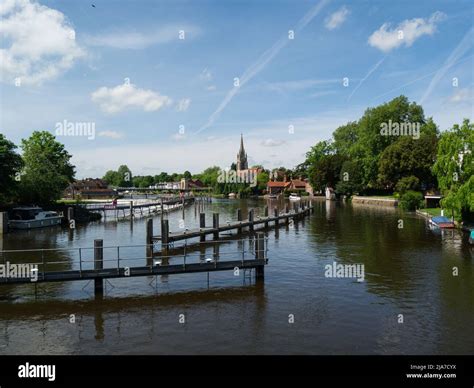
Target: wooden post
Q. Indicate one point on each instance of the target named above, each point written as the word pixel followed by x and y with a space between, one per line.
pixel 182 202
pixel 3 223
pixel 215 225
pixel 251 220
pixel 260 255
pixel 98 265
pixel 265 212
pixel 202 225
pixel 162 209
pixel 70 213
pixel 275 214
pixel 239 218
pixel 287 219
pixel 131 209
pixel 165 236
pixel 149 238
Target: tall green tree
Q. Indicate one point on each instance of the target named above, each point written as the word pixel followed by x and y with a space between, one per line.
pixel 125 174
pixel 11 164
pixel 454 168
pixel 409 157
pixel 47 169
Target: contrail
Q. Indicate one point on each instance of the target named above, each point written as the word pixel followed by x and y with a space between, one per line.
pixel 458 52
pixel 261 62
pixel 366 76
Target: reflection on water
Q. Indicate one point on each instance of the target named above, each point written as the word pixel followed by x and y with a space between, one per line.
pixel 408 271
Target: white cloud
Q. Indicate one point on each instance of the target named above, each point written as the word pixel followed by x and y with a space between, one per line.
pixel 111 134
pixel 405 33
pixel 38 43
pixel 183 105
pixel 133 40
pixel 461 95
pixel 337 18
pixel 206 75
pixel 272 142
pixel 121 97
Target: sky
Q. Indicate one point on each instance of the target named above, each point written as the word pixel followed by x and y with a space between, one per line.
pixel 171 85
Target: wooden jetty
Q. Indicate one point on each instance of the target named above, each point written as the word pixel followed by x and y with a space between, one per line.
pixel 99 268
pixel 154 263
pixel 300 209
pixel 130 209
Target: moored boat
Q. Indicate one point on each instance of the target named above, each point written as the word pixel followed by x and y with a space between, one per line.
pixel 32 218
pixel 294 197
pixel 442 222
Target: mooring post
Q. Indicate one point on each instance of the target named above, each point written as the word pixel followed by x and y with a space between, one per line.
pixel 70 213
pixel 165 236
pixel 149 238
pixel 275 214
pixel 287 219
pixel 239 218
pixel 265 212
pixel 182 202
pixel 260 255
pixel 131 209
pixel 162 209
pixel 202 225
pixel 3 223
pixel 98 265
pixel 215 225
pixel 251 220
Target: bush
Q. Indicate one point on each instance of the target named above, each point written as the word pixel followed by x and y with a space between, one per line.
pixel 411 200
pixel 409 183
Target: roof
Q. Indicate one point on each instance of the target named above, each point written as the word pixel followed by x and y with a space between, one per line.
pixel 277 184
pixel 298 182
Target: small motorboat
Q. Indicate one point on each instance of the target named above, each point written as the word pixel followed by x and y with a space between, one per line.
pixel 32 218
pixel 442 222
pixel 294 197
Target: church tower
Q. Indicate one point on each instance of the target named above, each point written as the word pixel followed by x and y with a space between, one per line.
pixel 242 156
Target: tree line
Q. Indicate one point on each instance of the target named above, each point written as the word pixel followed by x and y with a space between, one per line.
pixel 394 149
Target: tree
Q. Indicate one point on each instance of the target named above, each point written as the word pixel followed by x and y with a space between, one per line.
pixel 370 142
pixel 454 168
pixel 408 157
pixel 187 175
pixel 162 177
pixel 262 180
pixel 112 178
pixel 125 175
pixel 47 170
pixel 11 164
pixel 326 172
pixel 350 179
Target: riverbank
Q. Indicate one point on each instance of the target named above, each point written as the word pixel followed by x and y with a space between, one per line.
pixel 376 201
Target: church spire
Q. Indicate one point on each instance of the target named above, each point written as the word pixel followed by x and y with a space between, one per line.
pixel 242 156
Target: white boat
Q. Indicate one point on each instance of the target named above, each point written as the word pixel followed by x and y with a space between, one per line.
pixel 33 217
pixel 294 197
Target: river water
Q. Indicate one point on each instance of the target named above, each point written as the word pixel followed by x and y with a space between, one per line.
pixel 409 302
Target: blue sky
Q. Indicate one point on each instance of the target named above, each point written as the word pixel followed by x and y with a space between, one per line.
pixel 122 66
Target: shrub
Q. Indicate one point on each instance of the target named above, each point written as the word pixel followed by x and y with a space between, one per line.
pixel 409 183
pixel 411 200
